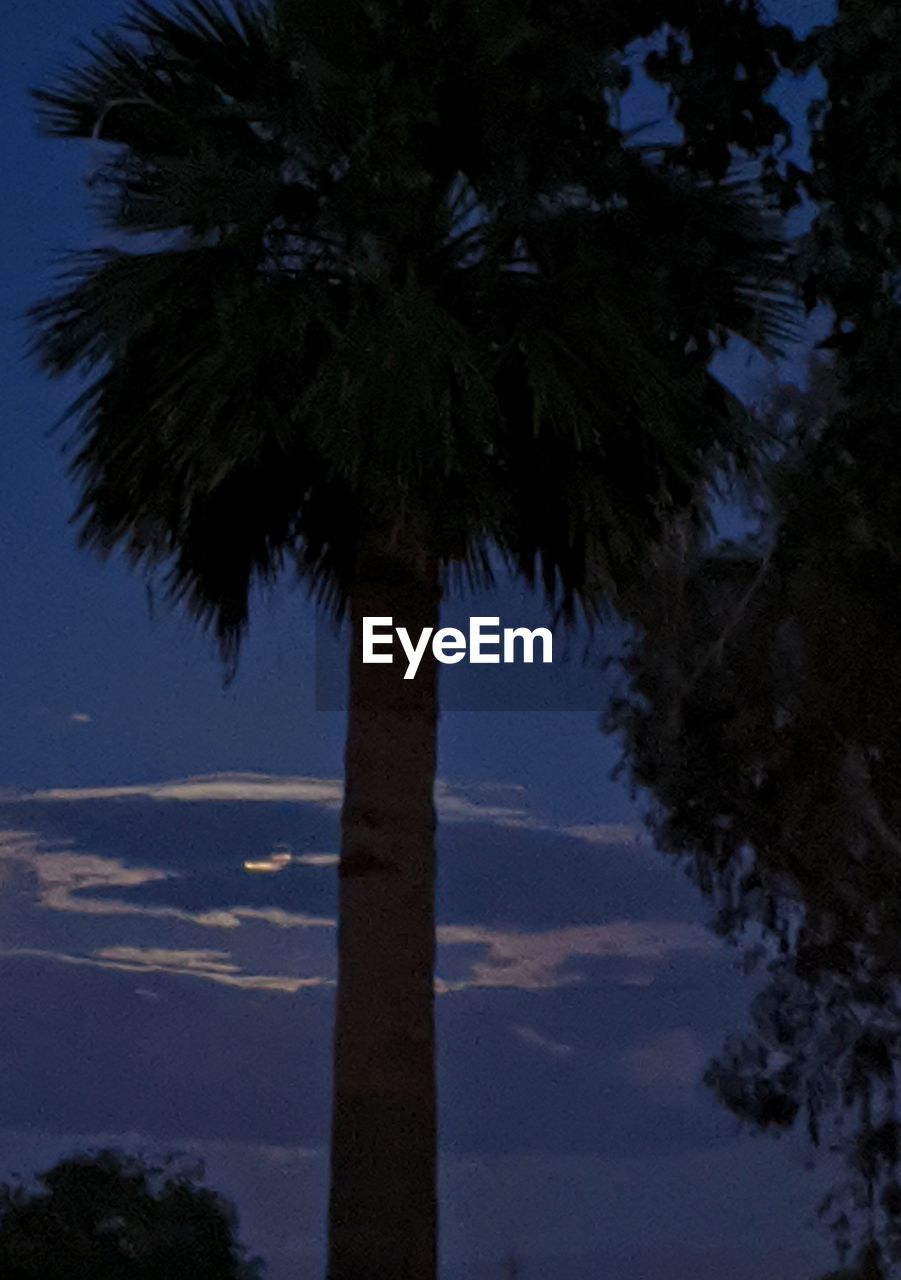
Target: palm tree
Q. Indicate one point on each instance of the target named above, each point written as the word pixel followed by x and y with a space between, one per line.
pixel 396 298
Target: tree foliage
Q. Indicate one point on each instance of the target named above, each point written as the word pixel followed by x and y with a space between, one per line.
pixel 107 1216
pixel 375 261
pixel 762 716
pixel 763 713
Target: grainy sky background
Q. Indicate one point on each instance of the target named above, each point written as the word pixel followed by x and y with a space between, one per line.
pixel 156 994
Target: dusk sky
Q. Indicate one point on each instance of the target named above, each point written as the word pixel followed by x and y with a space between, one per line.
pixel 158 995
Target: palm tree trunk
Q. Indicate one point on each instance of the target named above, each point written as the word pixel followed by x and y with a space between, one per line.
pixel 383 1210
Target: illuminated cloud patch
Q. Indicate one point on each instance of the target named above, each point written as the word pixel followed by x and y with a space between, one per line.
pixel 65 880
pixel 214 966
pixel 228 787
pixel 537 961
pixel 499 805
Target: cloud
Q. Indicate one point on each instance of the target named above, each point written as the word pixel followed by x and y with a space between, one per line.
pixel 536 961
pixel 65 879
pixel 62 872
pixel 467 804
pixel 553 1048
pixel 506 959
pixel 214 966
pixel 231 787
pixel 476 803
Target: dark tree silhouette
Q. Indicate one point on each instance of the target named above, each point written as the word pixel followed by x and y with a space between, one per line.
pixel 764 713
pixel 108 1216
pixel 401 293
pixel 762 717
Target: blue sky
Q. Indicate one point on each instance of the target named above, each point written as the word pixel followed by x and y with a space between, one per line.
pixel 159 995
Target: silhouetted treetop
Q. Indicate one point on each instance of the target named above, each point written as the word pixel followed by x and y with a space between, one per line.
pixel 393 257
pixel 108 1216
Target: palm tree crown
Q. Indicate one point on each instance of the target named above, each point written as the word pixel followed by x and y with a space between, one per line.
pixel 382 265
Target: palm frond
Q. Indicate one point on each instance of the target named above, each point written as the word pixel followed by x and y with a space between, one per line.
pixel 184 438
pixel 154 65
pixel 393 272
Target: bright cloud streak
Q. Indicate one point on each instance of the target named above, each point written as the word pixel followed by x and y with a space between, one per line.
pixel 455 804
pixel 231 787
pixel 65 879
pixel 214 966
pixel 537 961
